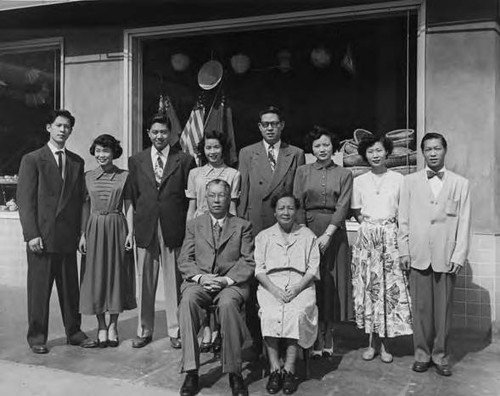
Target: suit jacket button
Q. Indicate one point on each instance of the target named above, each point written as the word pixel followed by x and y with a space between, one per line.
pixel 260 181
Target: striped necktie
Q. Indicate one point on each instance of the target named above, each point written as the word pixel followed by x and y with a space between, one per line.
pixel 270 156
pixel 159 168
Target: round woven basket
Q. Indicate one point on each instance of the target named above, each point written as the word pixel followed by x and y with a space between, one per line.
pixel 360 133
pixel 349 147
pixel 401 160
pixel 400 134
pixel 359 170
pixel 405 170
pixel 354 160
pixel 404 142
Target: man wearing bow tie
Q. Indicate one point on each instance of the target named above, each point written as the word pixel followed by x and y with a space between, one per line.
pixel 216 262
pixel 158 176
pixel 434 225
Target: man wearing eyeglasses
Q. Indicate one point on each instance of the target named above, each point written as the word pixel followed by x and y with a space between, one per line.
pixel 267 168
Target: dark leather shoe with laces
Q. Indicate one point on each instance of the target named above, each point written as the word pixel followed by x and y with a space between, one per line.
pixel 289 383
pixel 443 369
pixel 175 343
pixel 141 342
pixel 421 367
pixel 190 385
pixel 237 384
pixel 274 382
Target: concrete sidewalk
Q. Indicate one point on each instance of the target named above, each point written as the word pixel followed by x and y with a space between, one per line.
pixel 155 368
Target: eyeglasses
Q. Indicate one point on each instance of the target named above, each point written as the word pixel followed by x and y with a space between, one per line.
pixel 274 124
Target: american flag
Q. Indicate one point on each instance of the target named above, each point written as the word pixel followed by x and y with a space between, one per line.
pixel 193 131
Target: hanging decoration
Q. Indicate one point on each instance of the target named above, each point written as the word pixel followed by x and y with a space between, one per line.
pixel 240 63
pixel 284 63
pixel 180 62
pixel 347 62
pixel 210 75
pixel 321 57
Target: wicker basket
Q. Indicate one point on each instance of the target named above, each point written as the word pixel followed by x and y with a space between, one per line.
pixel 400 134
pixel 405 142
pixel 399 151
pixel 354 160
pixel 401 160
pixel 359 170
pixel 360 133
pixel 405 170
pixel 349 146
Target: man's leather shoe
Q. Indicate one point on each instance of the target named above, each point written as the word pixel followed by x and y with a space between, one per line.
pixel 141 342
pixel 39 349
pixel 190 385
pixel 443 369
pixel 77 339
pixel 237 384
pixel 289 383
pixel 421 367
pixel 274 383
pixel 89 343
pixel 175 343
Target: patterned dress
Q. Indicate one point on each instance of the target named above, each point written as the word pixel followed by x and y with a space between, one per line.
pixel 286 264
pixel 380 288
pixel 325 195
pixel 108 280
pixel 198 179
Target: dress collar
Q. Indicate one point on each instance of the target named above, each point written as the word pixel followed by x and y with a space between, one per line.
pixel 329 165
pixel 98 172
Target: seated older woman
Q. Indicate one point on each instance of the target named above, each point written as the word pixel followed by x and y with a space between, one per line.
pixel 287 260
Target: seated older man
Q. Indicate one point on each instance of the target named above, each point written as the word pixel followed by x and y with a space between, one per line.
pixel 216 263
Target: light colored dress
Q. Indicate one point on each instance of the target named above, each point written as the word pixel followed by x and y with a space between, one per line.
pixel 198 179
pixel 380 289
pixel 325 196
pixel 285 265
pixel 108 279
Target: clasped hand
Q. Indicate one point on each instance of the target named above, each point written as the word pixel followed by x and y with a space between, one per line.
pixel 285 295
pixel 213 282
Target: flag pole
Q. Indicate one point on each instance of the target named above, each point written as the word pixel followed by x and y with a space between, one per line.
pixel 212 106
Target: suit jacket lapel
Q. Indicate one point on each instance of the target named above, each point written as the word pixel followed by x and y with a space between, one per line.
pixel 173 161
pixel 284 160
pixel 261 163
pixel 227 231
pixel 206 230
pixel 69 181
pixel 50 168
pixel 147 166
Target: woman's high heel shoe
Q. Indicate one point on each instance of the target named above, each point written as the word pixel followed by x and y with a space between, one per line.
pixel 113 342
pixel 102 338
pixel 328 352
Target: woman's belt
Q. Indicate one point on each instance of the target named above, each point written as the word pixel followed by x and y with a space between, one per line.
pixel 281 269
pixel 107 212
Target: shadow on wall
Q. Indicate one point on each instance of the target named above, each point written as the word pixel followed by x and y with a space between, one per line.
pixel 471 327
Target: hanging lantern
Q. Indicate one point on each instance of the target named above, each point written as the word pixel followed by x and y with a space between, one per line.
pixel 240 63
pixel 284 63
pixel 321 57
pixel 180 62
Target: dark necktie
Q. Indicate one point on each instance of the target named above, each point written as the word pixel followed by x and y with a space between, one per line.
pixel 271 158
pixel 431 174
pixel 216 231
pixel 159 169
pixel 60 162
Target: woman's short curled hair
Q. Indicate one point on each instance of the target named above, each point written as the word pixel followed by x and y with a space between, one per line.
pixel 369 141
pixel 276 198
pixel 316 133
pixel 107 141
pixel 213 134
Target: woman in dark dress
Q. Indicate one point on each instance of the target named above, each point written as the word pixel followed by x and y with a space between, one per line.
pixel 106 242
pixel 324 190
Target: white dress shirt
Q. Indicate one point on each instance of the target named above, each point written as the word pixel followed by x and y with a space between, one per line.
pixel 54 150
pixel 164 155
pixel 276 148
pixel 436 183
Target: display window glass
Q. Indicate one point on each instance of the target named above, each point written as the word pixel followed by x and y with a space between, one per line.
pixel 349 76
pixel 29 89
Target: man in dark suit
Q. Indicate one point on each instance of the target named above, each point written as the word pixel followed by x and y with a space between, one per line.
pixel 267 169
pixel 216 263
pixel 50 195
pixel 158 176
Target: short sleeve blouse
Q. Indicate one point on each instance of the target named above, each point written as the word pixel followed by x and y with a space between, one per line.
pixel 377 196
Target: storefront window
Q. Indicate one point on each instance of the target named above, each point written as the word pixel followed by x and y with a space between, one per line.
pixel 29 88
pixel 347 76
